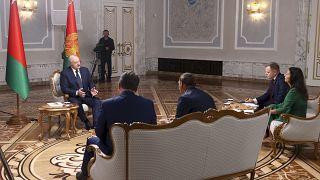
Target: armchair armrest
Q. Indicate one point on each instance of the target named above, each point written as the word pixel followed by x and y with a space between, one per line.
pixel 96 150
pixel 300 129
pixel 288 117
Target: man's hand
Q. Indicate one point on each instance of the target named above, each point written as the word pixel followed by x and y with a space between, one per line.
pixel 81 93
pixel 273 111
pixel 94 91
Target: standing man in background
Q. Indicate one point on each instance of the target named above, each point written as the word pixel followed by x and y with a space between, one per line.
pixel 106 51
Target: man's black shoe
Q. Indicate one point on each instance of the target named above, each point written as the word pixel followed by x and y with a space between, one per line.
pixel 80 176
pixel 108 80
pixel 101 81
pixel 87 125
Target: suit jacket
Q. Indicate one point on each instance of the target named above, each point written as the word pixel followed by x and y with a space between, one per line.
pixel 125 108
pixel 294 103
pixel 275 93
pixel 106 43
pixel 194 100
pixel 68 81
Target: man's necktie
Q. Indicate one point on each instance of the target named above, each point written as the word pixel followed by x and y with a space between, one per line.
pixel 79 81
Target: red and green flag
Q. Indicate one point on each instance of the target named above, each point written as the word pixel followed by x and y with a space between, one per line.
pixel 16 69
pixel 71 44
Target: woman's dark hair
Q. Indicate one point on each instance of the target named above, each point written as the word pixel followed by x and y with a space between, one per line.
pixel 297 81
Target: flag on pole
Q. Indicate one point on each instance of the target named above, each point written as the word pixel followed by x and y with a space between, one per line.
pixel 71 44
pixel 16 69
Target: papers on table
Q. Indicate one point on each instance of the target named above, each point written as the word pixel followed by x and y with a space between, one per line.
pixel 237 110
pixel 56 104
pixel 250 105
pixel 250 111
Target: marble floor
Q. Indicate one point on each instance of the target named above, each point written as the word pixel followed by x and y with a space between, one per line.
pixel 30 158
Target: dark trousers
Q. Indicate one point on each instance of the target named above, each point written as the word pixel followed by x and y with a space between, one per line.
pixel 88 155
pixel 105 58
pixel 92 102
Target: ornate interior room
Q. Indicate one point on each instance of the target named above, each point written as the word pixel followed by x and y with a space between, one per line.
pixel 225 44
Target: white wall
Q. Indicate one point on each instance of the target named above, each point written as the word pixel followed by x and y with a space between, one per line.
pixel 42 61
pixel 237 62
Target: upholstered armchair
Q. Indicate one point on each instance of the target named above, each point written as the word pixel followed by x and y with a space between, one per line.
pixel 57 94
pixel 298 130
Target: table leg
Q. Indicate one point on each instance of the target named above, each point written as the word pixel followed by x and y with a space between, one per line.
pixel 67 125
pixel 49 121
pixel 74 119
pixel 41 128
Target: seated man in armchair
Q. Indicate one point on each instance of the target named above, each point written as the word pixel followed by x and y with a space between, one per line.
pixel 76 81
pixel 125 108
pixel 192 99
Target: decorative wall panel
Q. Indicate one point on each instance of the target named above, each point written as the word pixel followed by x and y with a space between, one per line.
pixel 256 34
pixel 37 32
pixel 127 38
pixel 193 23
pixel 316 64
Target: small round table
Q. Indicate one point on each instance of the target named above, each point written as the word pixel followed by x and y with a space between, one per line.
pixel 70 111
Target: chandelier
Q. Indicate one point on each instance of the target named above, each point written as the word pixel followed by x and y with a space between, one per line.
pixel 27 8
pixel 255 9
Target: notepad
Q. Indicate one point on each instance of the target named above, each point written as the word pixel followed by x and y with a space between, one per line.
pixel 250 105
pixel 237 110
pixel 56 104
pixel 248 111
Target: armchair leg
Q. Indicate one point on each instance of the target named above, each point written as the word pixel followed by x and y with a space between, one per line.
pixel 316 152
pixel 253 172
pixel 274 148
pixel 49 131
pixel 59 122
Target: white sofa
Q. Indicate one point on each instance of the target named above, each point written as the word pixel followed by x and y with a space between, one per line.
pixel 214 144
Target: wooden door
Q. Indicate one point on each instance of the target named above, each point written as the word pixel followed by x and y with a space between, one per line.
pixel 313 54
pixel 119 19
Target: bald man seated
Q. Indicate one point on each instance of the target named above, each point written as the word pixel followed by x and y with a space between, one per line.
pixel 76 81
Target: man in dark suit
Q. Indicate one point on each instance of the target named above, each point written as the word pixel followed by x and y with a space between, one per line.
pixel 76 81
pixel 277 89
pixel 107 45
pixel 193 99
pixel 125 108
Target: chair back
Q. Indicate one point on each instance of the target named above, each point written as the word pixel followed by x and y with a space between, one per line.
pixel 55 86
pixel 313 107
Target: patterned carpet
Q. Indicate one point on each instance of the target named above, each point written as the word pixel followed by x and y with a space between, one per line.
pixel 56 158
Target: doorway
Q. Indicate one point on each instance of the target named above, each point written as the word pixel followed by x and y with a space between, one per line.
pixel 120 20
pixel 313 54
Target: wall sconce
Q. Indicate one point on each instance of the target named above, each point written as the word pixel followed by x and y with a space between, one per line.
pixel 27 8
pixel 254 9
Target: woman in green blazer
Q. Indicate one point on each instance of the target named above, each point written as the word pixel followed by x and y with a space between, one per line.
pixel 295 102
